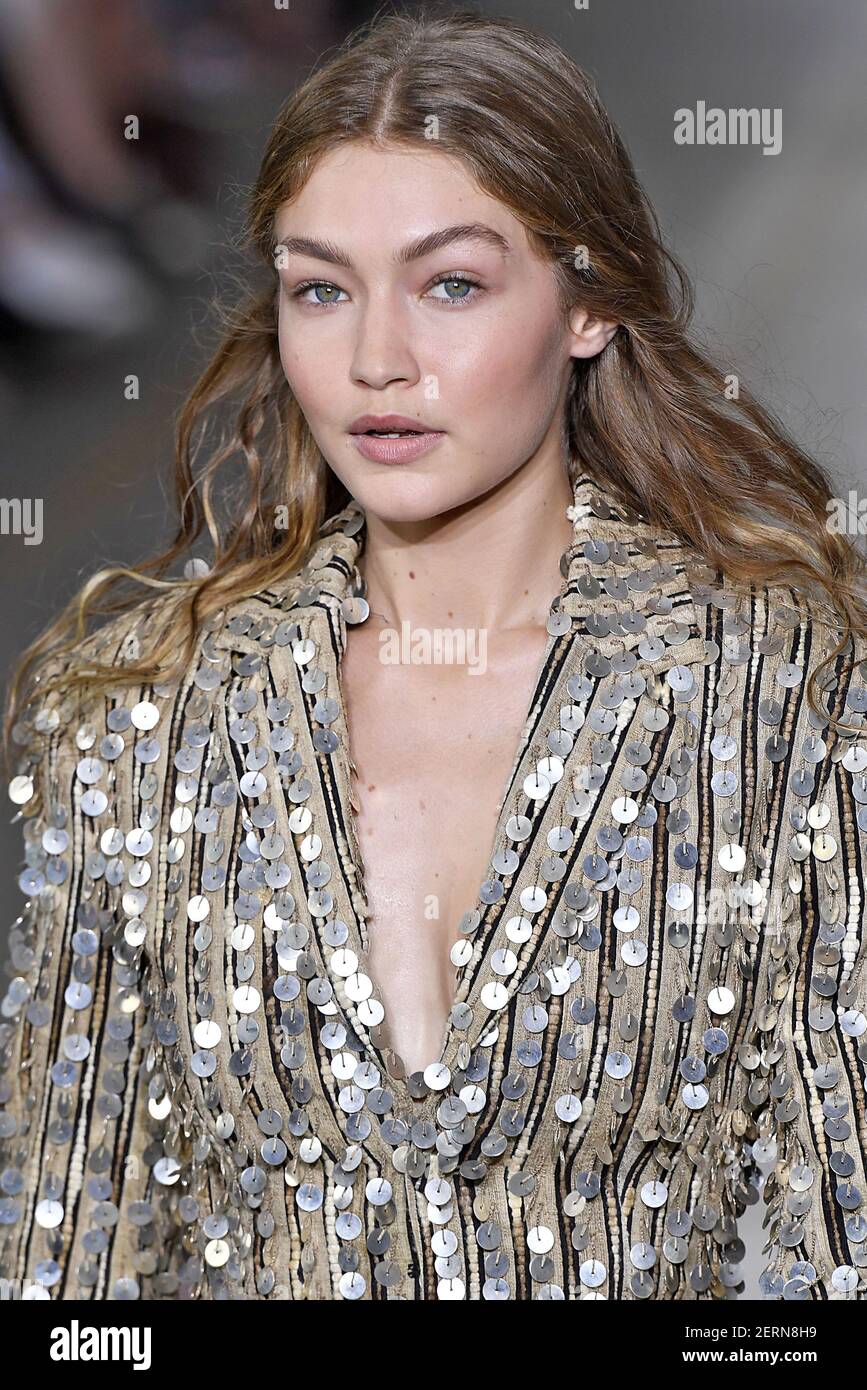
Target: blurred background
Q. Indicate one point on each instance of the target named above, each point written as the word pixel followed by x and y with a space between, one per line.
pixel 112 248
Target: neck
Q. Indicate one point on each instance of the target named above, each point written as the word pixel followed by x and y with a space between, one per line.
pixel 492 563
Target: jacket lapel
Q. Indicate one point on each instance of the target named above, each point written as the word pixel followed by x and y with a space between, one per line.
pixel 620 566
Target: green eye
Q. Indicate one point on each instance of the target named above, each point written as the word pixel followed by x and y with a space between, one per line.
pixel 329 292
pixel 458 289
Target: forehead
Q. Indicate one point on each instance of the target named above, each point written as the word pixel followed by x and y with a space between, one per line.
pixel 359 192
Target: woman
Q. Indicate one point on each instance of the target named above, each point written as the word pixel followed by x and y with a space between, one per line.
pixel 344 975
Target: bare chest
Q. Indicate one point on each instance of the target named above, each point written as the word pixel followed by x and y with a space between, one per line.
pixel 433 749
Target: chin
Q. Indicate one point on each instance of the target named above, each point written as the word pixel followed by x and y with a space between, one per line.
pixel 402 496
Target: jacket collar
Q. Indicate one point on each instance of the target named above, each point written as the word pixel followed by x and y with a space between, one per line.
pixel 625 581
pixel 618 565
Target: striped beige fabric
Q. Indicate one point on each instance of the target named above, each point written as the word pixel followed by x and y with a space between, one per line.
pixel 660 987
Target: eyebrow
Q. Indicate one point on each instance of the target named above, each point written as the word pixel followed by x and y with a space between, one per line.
pixel 413 251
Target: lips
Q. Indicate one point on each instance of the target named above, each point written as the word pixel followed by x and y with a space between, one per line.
pixel 394 425
pixel 393 439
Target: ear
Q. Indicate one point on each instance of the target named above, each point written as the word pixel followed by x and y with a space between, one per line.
pixel 588 334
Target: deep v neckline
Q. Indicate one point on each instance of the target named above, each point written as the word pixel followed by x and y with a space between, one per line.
pixel 436 1071
pixel 596 640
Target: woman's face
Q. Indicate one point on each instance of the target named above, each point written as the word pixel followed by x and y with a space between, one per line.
pixel 465 338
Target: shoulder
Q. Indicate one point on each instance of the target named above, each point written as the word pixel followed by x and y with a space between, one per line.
pixel 815 635
pixel 66 702
pixel 117 642
pixel 803 700
pixel 782 625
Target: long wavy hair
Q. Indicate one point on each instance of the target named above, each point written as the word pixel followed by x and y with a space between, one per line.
pixel 651 414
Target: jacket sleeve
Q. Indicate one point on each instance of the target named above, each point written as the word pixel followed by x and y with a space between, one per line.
pixel 71 1017
pixel 801 1062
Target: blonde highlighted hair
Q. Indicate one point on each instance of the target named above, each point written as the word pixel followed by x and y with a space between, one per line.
pixel 649 414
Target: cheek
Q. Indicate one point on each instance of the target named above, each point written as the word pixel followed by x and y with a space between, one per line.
pixel 298 359
pixel 286 353
pixel 515 357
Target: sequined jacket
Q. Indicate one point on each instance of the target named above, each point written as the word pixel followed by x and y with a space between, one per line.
pixel 661 987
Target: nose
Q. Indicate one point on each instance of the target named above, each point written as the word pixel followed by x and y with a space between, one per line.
pixel 382 351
